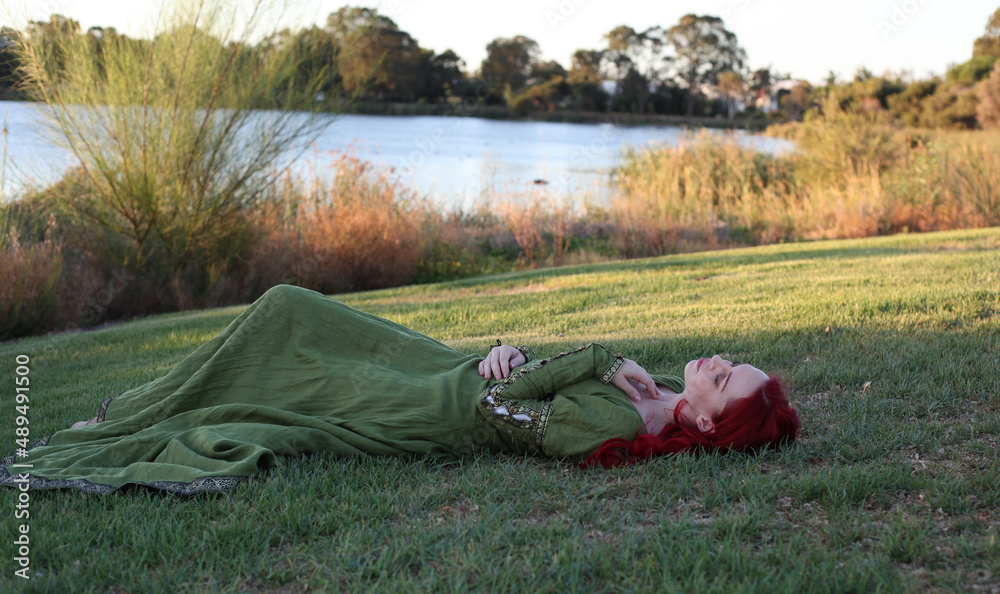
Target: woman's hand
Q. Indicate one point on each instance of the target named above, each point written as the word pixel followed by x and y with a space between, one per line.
pixel 632 370
pixel 500 361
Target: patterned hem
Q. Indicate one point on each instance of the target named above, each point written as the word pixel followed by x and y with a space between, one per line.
pixel 204 484
pixel 610 373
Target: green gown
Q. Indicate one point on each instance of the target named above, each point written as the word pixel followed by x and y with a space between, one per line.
pixel 299 373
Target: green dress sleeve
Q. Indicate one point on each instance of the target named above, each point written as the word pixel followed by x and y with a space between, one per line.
pixel 521 405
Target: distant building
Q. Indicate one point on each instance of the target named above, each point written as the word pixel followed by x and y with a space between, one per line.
pixel 769 99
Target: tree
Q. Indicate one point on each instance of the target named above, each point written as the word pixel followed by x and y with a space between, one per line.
pixel 442 73
pixel 585 66
pixel 584 77
pixel 638 57
pixel 988 110
pixel 375 56
pixel 760 80
pixel 45 34
pixel 617 62
pixel 862 74
pixel 8 57
pixel 908 106
pixel 858 93
pixel 759 85
pixel 951 106
pixel 508 62
pixel 543 71
pixel 971 71
pixel 56 27
pixel 543 96
pixel 703 49
pixel 731 85
pixel 631 91
pixel 546 88
pixel 315 51
pixel 989 43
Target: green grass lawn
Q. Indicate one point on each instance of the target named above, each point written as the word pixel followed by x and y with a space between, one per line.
pixel 890 346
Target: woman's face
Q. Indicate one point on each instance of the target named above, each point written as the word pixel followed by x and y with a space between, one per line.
pixel 711 384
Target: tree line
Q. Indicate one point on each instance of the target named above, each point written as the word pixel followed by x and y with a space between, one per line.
pixel 694 68
pixel 369 58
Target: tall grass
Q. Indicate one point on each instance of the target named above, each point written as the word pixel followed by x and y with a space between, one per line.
pixel 852 175
pixel 940 188
pixel 29 274
pixel 346 228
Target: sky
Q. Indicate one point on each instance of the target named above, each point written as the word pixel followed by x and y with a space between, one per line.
pixel 805 40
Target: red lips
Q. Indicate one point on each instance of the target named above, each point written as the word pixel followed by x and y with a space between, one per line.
pixel 700 361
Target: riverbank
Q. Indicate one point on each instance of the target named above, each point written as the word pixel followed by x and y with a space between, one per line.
pixel 357 227
pixel 499 112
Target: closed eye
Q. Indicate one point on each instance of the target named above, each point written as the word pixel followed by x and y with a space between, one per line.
pixel 731 365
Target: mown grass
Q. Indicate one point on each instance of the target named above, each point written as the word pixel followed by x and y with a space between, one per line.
pixel 891 347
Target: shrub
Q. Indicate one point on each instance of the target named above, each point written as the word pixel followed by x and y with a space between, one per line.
pixel 951 106
pixel 908 106
pixel 972 71
pixel 172 148
pixel 351 228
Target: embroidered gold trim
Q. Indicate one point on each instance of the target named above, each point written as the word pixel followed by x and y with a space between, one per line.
pixel 543 423
pixel 492 399
pixel 494 403
pixel 204 484
pixel 610 373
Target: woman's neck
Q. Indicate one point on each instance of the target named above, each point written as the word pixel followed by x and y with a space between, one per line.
pixel 656 412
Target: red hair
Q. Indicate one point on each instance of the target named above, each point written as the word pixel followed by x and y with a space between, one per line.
pixel 750 423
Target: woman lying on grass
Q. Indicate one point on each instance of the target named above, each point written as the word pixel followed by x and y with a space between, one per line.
pixel 299 373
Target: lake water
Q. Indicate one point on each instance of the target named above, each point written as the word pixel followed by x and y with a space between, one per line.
pixel 454 160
